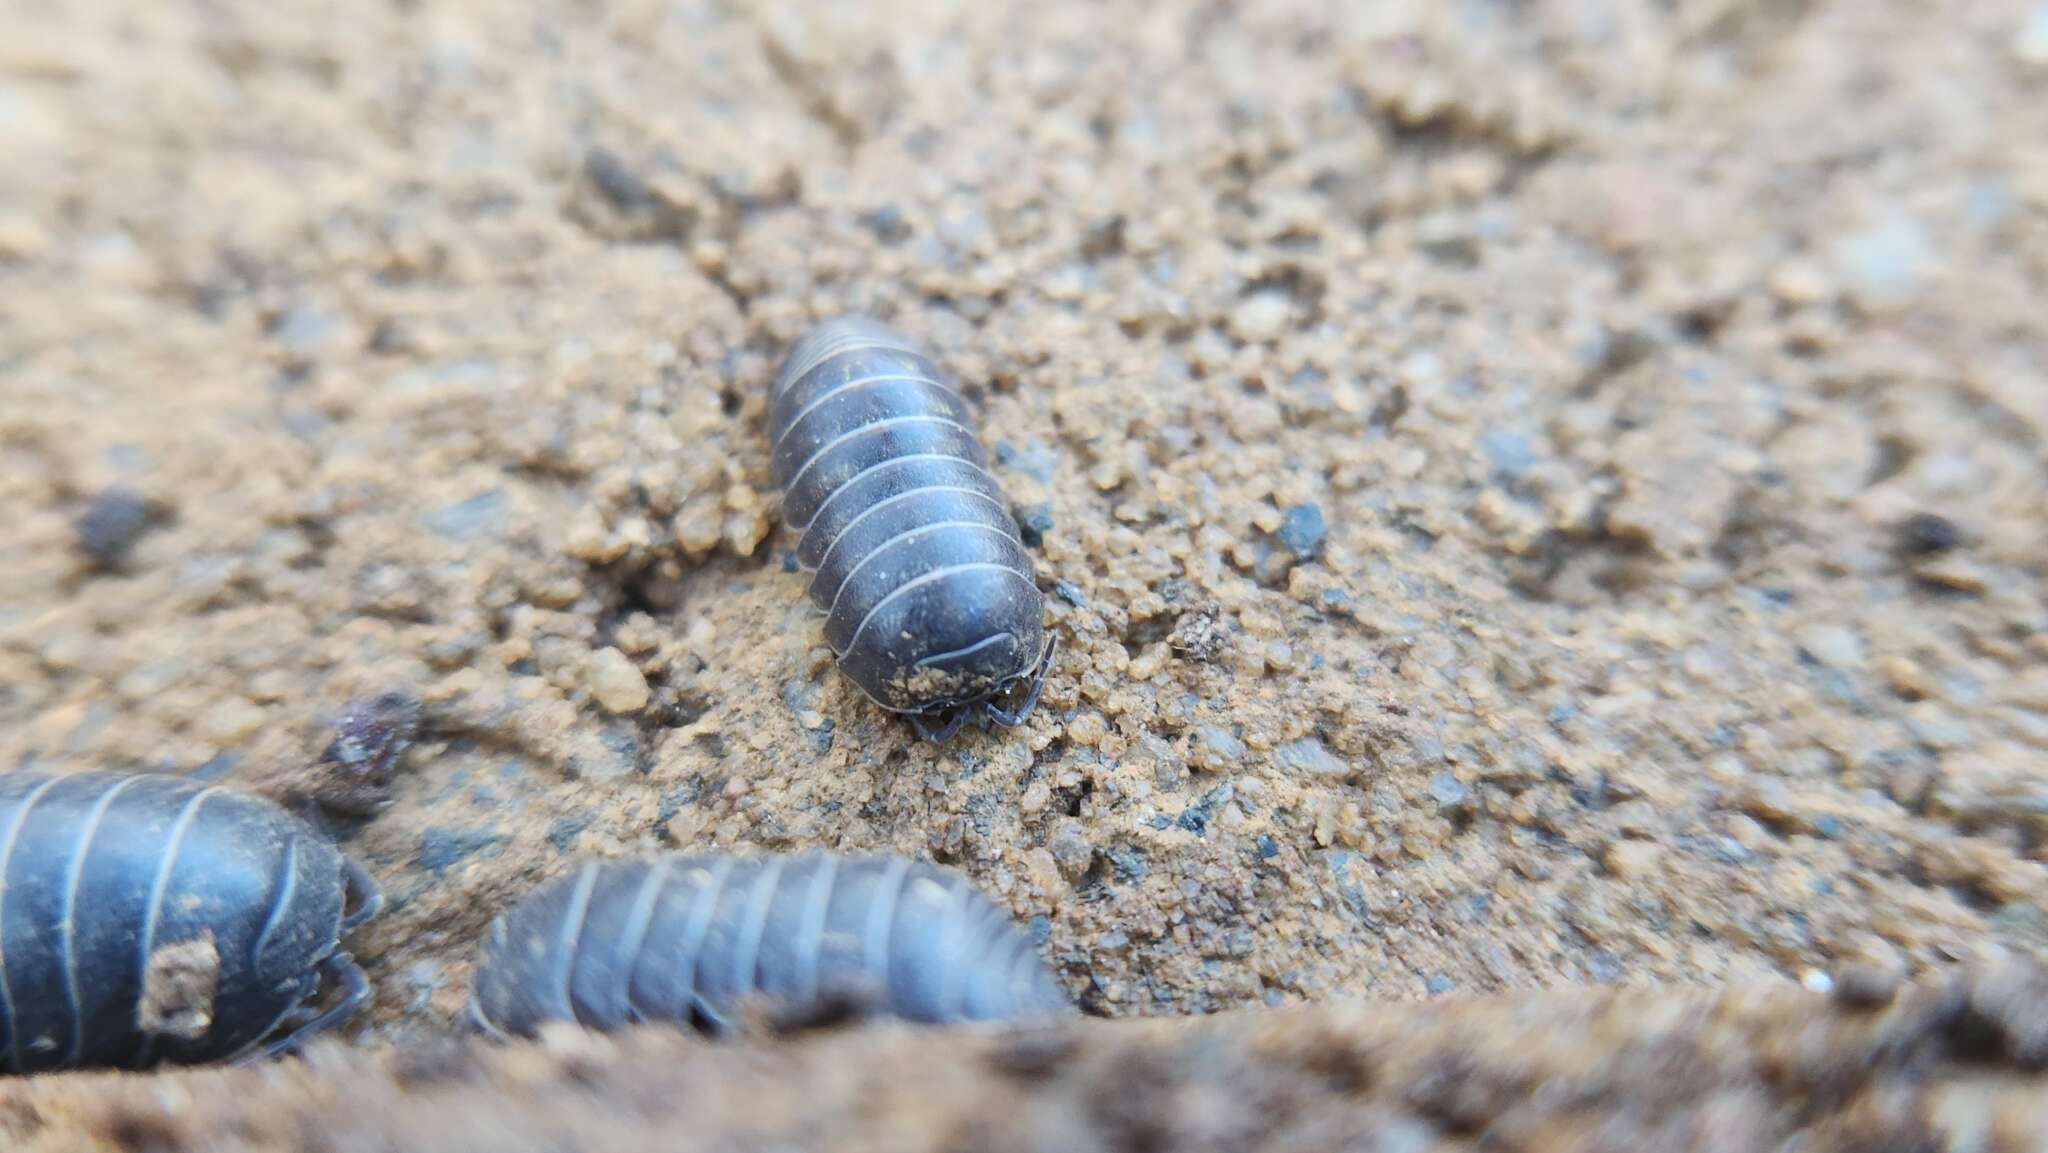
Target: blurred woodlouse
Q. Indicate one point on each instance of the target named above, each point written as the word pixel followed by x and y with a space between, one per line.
pixel 148 918
pixel 691 939
pixel 930 606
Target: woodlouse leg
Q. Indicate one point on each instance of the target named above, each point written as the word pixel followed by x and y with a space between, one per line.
pixel 341 968
pixel 943 733
pixel 363 888
pixel 298 1018
pixel 1022 713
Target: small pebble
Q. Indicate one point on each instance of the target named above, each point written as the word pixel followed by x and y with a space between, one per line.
pixel 1033 522
pixel 1449 792
pixel 1924 534
pixel 1800 283
pixel 1886 263
pixel 1509 452
pixel 1302 530
pixel 441 847
pixel 616 683
pixel 112 523
pixel 1311 757
pixel 1216 749
pixel 1261 317
pixel 616 180
pixel 1071 851
pixel 1865 986
pixel 1832 645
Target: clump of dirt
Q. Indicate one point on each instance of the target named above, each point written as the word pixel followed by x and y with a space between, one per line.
pixel 179 985
pixel 1531 495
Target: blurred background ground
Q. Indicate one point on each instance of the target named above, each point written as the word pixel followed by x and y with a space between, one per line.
pixel 1535 495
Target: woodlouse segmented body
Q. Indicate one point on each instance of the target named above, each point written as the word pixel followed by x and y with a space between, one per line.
pixel 929 601
pixel 148 919
pixel 689 939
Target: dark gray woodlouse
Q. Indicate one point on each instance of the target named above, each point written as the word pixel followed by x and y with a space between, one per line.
pixel 148 919
pixel 929 601
pixel 690 939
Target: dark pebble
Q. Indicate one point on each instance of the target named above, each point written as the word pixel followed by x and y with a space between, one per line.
pixel 1606 968
pixel 673 801
pixel 1924 534
pixel 112 523
pixel 1268 848
pixel 564 831
pixel 1450 793
pixel 481 514
pixel 1865 986
pixel 619 183
pixel 441 848
pixel 370 737
pixel 887 224
pixel 390 338
pixel 1033 522
pixel 1509 452
pixel 1071 593
pixel 1129 865
pixel 1302 531
pixel 789 561
pixel 1436 985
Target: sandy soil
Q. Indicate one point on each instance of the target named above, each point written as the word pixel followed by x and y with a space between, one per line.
pixel 1537 494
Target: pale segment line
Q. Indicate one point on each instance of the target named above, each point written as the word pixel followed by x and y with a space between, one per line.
pixel 67 912
pixel 570 937
pixel 955 974
pixel 937 574
pixel 855 339
pixel 861 382
pixel 746 972
pixel 6 859
pixel 907 458
pixel 874 943
pixel 284 900
pixel 898 538
pixel 635 936
pixel 699 924
pixel 157 889
pixel 868 429
pixel 825 561
pixel 813 928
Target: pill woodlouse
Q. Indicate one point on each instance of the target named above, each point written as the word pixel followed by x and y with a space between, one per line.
pixel 930 606
pixel 691 939
pixel 148 919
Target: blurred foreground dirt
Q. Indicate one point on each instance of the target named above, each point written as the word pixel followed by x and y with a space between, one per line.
pixel 1960 1066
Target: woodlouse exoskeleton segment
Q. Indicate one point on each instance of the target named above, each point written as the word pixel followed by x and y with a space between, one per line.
pixel 148 919
pixel 694 939
pixel 930 606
